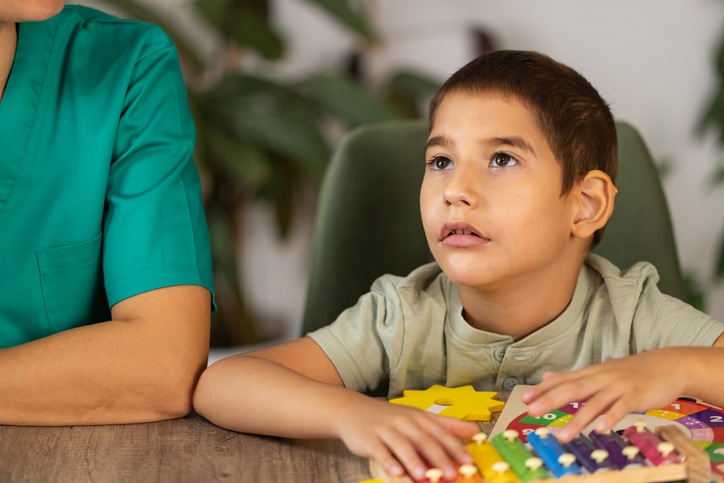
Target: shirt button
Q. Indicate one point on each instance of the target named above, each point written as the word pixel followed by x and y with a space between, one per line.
pixel 500 354
pixel 510 383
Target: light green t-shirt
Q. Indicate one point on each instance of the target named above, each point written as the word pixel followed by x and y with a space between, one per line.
pixel 410 333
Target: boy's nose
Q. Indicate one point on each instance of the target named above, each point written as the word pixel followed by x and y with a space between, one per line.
pixel 461 190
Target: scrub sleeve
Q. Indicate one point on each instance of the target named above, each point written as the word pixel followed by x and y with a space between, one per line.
pixel 99 196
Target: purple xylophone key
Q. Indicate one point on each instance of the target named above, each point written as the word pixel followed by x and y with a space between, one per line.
pixel 622 454
pixel 592 458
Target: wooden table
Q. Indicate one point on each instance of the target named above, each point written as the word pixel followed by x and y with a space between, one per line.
pixel 181 450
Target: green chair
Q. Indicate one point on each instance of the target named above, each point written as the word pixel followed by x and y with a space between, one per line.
pixel 368 219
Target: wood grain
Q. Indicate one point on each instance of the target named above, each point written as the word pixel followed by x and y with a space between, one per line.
pixel 180 450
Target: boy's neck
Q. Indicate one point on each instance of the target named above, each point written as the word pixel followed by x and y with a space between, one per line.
pixel 518 311
pixel 8 43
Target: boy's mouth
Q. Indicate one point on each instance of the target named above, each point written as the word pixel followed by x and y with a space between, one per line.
pixel 458 232
pixel 462 232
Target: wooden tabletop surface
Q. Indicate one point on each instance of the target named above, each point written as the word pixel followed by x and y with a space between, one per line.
pixel 180 450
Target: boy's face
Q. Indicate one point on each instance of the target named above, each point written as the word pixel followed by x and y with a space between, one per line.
pixel 490 199
pixel 29 10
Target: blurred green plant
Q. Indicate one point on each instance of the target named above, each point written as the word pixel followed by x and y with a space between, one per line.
pixel 265 138
pixel 713 119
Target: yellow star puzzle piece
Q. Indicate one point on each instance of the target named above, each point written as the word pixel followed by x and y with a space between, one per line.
pixel 462 402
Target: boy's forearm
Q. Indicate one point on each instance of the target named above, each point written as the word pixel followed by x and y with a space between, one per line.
pixel 255 395
pixel 703 379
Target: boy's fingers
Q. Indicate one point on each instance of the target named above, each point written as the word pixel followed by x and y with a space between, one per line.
pixel 615 413
pixel 458 429
pixel 594 407
pixel 375 448
pixel 563 394
pixel 435 443
pixel 389 463
pixel 406 453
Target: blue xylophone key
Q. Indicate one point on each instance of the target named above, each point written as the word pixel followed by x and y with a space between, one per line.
pixel 622 454
pixel 592 458
pixel 554 456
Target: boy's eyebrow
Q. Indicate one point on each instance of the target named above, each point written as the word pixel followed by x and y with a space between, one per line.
pixel 513 141
pixel 438 141
pixel 493 142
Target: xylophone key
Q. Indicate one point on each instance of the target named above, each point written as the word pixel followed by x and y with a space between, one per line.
pixel 468 474
pixel 493 467
pixel 592 458
pixel 620 453
pixel 652 447
pixel 434 475
pixel 557 460
pixel 512 449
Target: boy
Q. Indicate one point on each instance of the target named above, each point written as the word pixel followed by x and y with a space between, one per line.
pixel 517 189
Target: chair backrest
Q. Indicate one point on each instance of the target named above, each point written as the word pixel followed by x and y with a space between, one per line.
pixel 368 218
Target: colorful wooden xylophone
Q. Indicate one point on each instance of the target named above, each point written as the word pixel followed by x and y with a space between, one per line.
pixel 639 456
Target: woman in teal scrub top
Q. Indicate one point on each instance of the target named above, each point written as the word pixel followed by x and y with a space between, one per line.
pixel 105 266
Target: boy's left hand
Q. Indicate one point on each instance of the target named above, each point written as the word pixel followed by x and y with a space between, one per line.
pixel 611 389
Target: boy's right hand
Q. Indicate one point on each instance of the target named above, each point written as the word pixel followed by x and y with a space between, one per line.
pixel 400 436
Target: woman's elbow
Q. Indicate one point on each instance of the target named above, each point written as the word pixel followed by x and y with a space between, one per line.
pixel 174 397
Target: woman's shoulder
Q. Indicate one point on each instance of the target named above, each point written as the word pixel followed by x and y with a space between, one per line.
pixel 108 30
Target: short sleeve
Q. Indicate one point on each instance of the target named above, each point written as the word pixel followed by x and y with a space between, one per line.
pixel 155 232
pixel 664 321
pixel 365 340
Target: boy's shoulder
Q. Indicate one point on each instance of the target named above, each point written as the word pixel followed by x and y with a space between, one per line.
pixel 639 273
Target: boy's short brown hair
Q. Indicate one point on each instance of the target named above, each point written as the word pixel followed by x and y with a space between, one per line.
pixel 573 117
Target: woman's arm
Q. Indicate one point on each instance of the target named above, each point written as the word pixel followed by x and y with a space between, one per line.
pixel 140 366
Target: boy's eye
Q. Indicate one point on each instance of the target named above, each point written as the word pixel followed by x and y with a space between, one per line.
pixel 500 160
pixel 440 162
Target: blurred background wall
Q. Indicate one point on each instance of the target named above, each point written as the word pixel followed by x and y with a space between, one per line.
pixel 652 60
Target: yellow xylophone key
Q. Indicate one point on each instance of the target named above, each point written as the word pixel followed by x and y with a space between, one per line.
pixel 468 474
pixel 493 467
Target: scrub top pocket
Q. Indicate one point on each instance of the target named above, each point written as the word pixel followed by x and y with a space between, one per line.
pixel 72 281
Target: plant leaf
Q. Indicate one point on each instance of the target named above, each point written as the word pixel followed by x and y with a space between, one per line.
pixel 343 12
pixel 185 46
pixel 717 177
pixel 245 22
pixel 414 84
pixel 349 100
pixel 247 166
pixel 410 92
pixel 695 296
pixel 719 269
pixel 271 118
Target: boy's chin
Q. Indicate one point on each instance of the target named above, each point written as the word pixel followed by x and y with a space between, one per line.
pixel 468 276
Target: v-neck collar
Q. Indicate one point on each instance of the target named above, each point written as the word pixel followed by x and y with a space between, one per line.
pixel 19 107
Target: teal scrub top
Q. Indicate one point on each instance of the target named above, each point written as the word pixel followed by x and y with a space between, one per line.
pixel 99 196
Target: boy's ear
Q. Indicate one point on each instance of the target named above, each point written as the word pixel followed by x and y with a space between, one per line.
pixel 595 194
